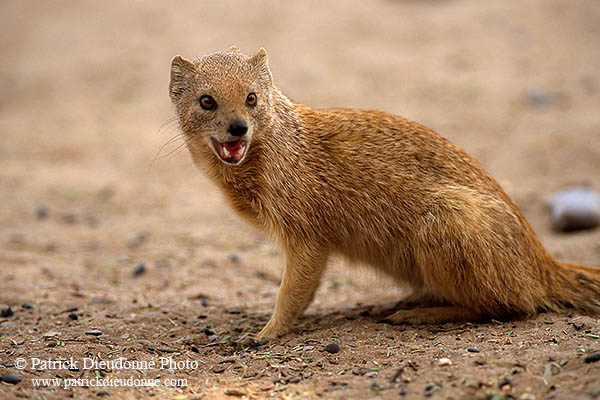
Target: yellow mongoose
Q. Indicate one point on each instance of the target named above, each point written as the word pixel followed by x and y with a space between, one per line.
pixel 373 187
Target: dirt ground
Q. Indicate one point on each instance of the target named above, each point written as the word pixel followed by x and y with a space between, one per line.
pixel 84 111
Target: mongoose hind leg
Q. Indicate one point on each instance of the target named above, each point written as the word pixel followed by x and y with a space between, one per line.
pixel 434 315
pixel 303 270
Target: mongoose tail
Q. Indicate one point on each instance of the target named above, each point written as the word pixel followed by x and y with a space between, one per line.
pixel 575 286
pixel 568 286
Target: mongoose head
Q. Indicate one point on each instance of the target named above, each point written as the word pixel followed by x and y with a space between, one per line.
pixel 221 99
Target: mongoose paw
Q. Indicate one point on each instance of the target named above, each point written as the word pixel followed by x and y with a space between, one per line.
pixel 252 342
pixel 402 317
pixel 432 315
pixel 270 332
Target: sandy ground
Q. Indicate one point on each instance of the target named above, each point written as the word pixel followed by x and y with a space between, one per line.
pixel 83 108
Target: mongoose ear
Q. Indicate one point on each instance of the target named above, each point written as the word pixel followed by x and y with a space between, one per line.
pixel 260 61
pixel 181 70
pixel 261 54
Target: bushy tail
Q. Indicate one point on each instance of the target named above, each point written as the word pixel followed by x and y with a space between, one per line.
pixel 577 286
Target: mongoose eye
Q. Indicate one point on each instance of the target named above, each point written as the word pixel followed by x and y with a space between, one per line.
pixel 251 99
pixel 208 103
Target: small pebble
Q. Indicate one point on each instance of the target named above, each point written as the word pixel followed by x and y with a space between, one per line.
pixel 332 348
pixel 473 350
pixel 139 269
pixel 371 374
pixel 578 325
pixel 204 303
pixel 94 332
pixel 6 312
pixel 235 258
pixel 431 388
pixel 11 378
pixel 74 316
pixel 575 209
pixel 444 361
pixel 42 212
pixel 233 310
pixel 592 358
pixel 505 384
pixel 540 98
pixel 27 305
pixel 207 331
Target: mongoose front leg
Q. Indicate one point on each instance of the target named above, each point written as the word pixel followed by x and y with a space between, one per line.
pixel 301 278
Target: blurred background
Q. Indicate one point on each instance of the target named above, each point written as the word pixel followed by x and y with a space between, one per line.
pixel 84 110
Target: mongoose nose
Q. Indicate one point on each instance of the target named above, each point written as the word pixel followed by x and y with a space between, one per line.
pixel 238 128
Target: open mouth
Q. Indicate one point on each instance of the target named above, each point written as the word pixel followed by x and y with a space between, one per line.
pixel 230 152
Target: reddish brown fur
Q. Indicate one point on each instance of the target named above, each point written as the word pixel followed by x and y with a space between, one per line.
pixel 377 189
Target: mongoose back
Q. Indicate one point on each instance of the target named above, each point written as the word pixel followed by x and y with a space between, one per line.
pixel 376 188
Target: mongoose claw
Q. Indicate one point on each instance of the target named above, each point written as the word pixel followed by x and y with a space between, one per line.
pixel 251 341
